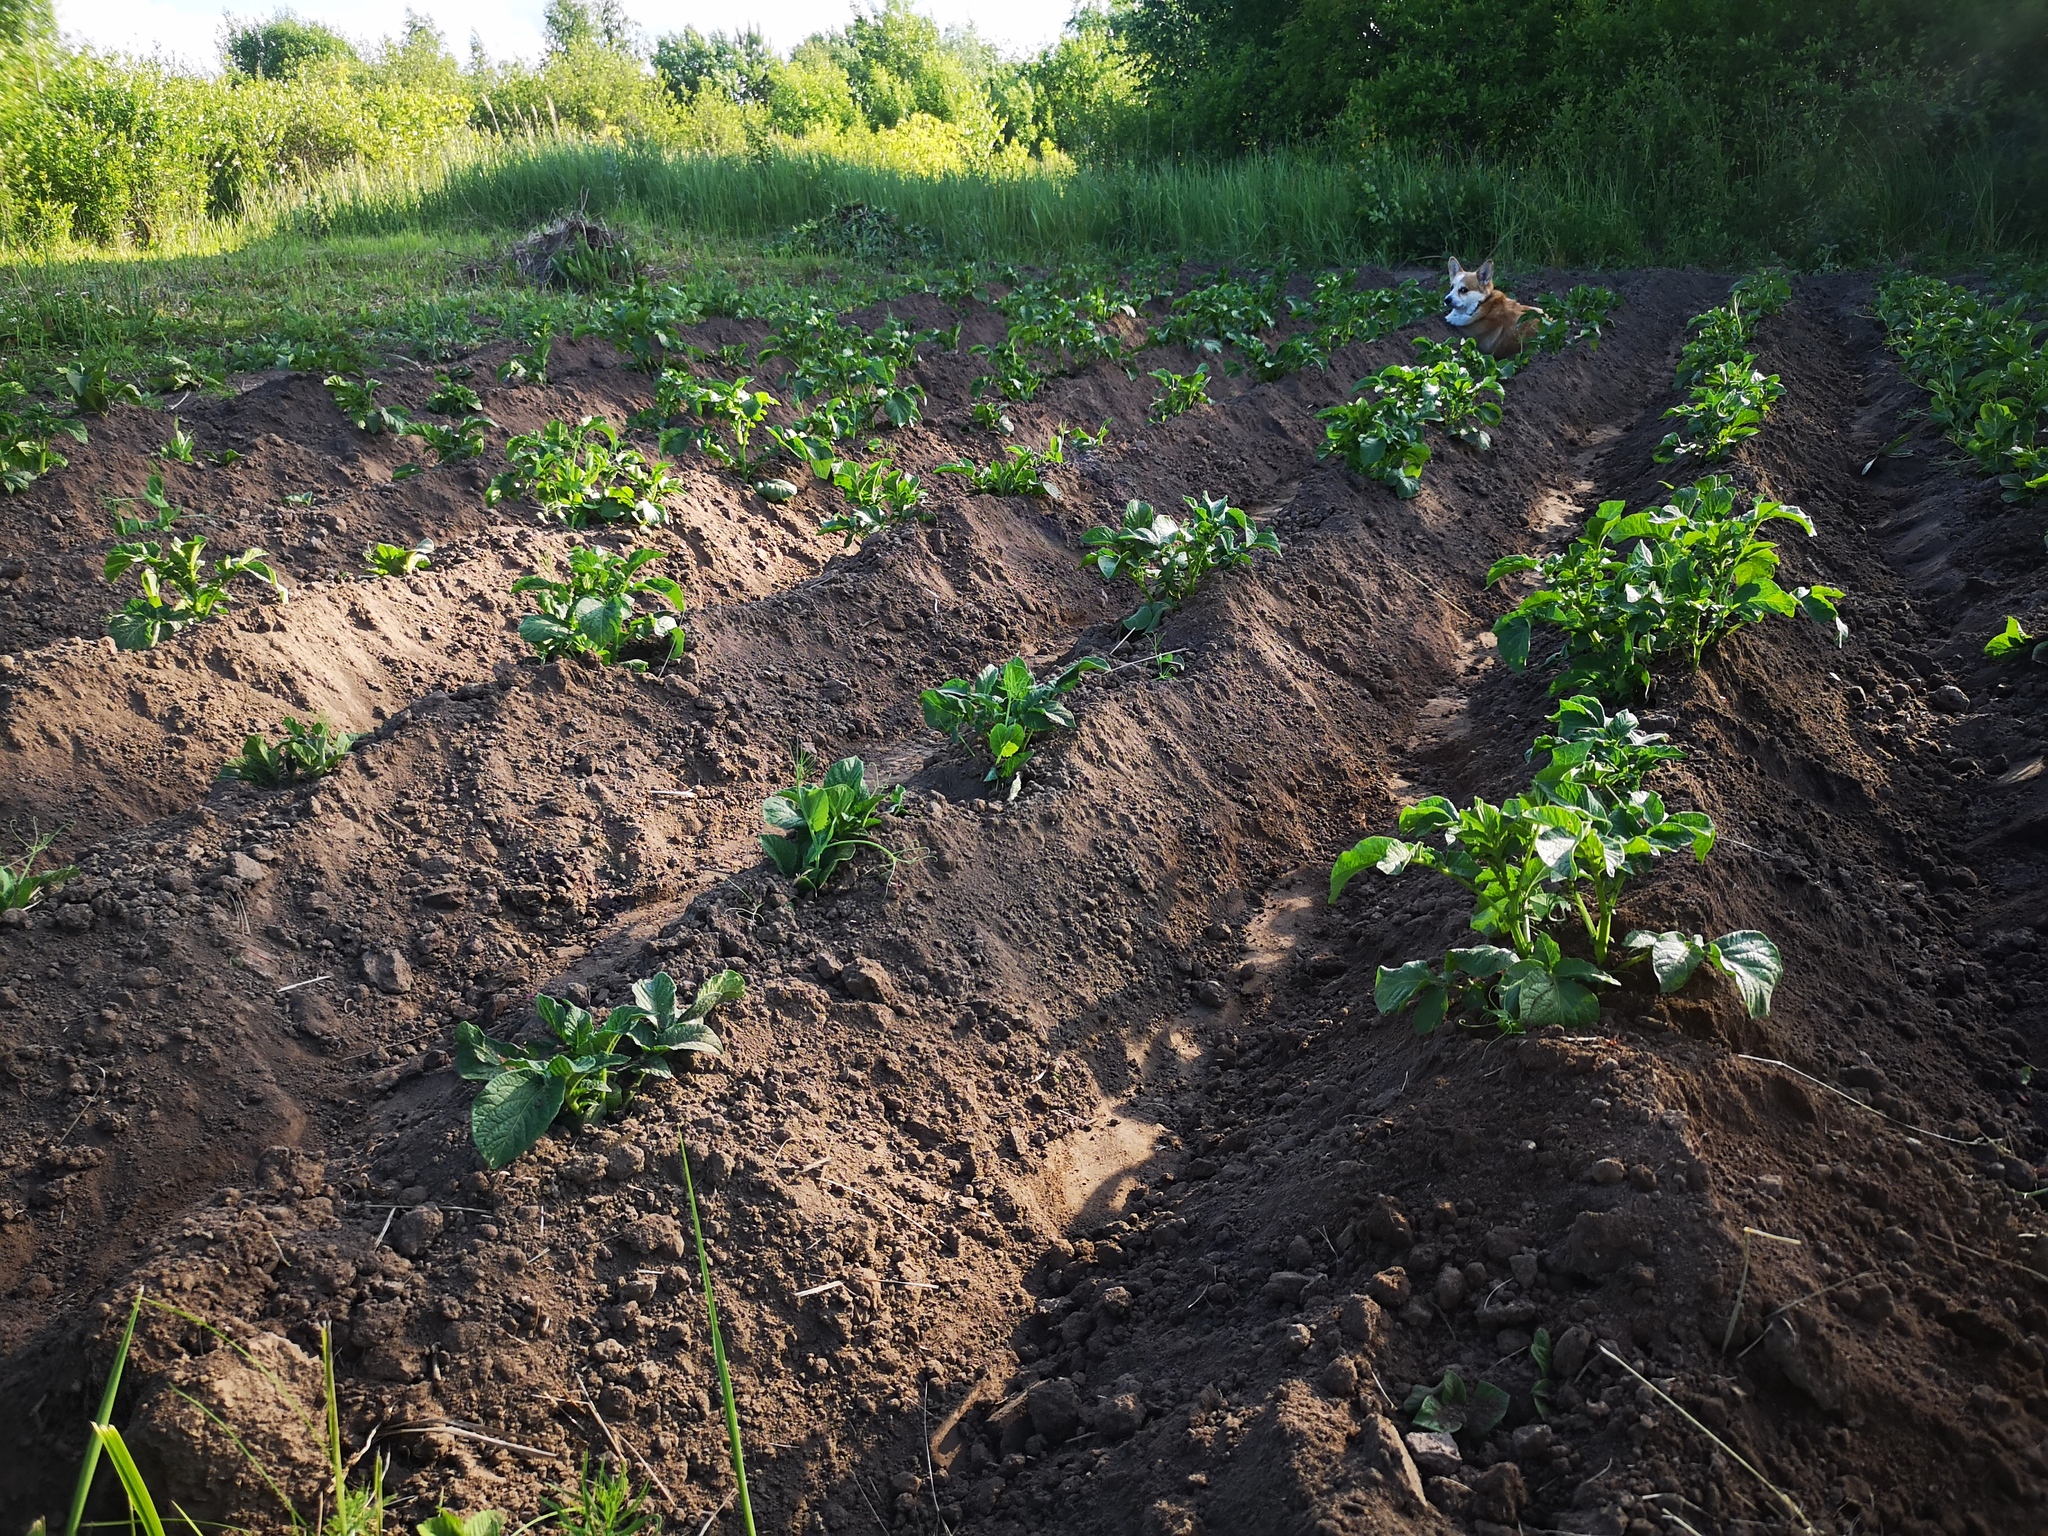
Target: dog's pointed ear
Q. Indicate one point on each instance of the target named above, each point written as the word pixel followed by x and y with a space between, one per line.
pixel 1486 272
pixel 1457 269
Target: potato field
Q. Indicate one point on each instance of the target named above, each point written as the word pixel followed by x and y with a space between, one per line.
pixel 1198 908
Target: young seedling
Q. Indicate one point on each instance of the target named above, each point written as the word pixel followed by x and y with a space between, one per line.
pixel 305 752
pixel 93 390
pixel 2013 639
pixel 1452 1408
pixel 590 1067
pixel 990 417
pixel 814 828
pixel 456 444
pixel 603 1502
pixel 357 399
pixel 580 475
pixel 877 494
pixel 178 586
pixel 1168 558
pixel 396 560
pixel 21 884
pixel 743 412
pixel 1180 392
pixel 452 397
pixel 531 365
pixel 1006 707
pixel 176 375
pixel 178 447
pixel 594 613
pixel 1637 587
pixel 1019 472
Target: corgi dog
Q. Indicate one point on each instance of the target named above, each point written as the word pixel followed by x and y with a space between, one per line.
pixel 1497 325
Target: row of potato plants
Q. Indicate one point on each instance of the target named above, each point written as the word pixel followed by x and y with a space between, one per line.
pixel 1633 594
pixel 1982 362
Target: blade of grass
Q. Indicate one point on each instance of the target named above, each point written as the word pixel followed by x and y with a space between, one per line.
pixel 732 1413
pixel 101 1420
pixel 108 1437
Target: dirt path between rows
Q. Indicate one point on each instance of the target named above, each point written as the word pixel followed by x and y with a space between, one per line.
pixel 1069 1181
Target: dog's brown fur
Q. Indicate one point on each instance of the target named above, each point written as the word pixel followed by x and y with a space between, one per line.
pixel 1497 325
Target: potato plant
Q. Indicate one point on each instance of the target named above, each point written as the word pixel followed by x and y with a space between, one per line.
pixel 1636 588
pixel 456 444
pixel 1568 848
pixel 877 495
pixel 396 559
pixel 815 828
pixel 596 612
pixel 581 475
pixel 21 884
pixel 1168 558
pixel 2013 639
pixel 303 752
pixel 26 431
pixel 93 390
pixel 1006 708
pixel 530 366
pixel 1381 435
pixel 452 397
pixel 179 586
pixel 1180 393
pixel 688 412
pixel 1019 472
pixel 1726 407
pixel 357 400
pixel 591 1065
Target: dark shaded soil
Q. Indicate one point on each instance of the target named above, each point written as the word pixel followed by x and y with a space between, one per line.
pixel 1070 1181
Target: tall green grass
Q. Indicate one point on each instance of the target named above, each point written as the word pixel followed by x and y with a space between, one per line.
pixel 1863 206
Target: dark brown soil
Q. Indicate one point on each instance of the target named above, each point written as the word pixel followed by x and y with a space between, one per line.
pixel 1069 1182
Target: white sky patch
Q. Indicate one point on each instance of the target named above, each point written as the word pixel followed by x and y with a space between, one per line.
pixel 189 31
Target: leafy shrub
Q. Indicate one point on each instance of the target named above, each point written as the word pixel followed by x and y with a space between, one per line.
pixel 1637 587
pixel 179 587
pixel 590 1067
pixel 814 828
pixel 581 475
pixel 1168 557
pixel 22 884
pixel 1725 407
pixel 1005 707
pixel 594 613
pixel 305 752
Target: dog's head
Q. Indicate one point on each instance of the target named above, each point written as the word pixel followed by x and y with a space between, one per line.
pixel 1468 292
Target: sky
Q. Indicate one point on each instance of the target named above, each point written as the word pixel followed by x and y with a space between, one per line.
pixel 189 30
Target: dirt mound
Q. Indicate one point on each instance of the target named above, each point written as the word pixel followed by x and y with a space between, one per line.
pixel 1070 1181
